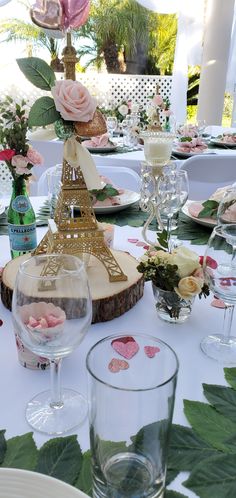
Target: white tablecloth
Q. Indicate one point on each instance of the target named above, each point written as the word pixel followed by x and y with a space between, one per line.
pixel 18 385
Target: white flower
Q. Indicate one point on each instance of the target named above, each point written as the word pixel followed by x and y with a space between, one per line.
pixel 188 287
pixel 186 260
pixel 123 109
pixel 134 107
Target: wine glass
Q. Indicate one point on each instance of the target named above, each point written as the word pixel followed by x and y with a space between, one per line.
pixel 173 189
pixel 219 268
pixel 226 212
pixel 201 126
pixel 52 310
pixel 112 123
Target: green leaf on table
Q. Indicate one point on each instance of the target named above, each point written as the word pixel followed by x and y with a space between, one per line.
pixel 187 448
pixel 43 112
pixel 60 458
pixel 209 210
pixel 222 398
pixel 214 478
pixel 230 376
pixel 162 239
pixel 210 425
pixel 169 493
pixel 3 445
pixel 37 71
pixel 105 192
pixel 21 452
pixel 84 481
pixel 189 230
pixel 171 474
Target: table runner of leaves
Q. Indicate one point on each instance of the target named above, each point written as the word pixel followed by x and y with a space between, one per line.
pixel 133 217
pixel 207 449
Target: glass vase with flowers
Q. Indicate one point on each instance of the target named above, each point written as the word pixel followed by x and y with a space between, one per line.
pixel 20 158
pixel 176 277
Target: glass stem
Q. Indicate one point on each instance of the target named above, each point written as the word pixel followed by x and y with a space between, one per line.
pixel 168 229
pixel 55 372
pixel 228 317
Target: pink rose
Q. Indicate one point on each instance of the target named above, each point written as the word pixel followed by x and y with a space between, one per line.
pixel 73 101
pixel 34 157
pixel 157 100
pixel 22 171
pixel 167 112
pixel 19 161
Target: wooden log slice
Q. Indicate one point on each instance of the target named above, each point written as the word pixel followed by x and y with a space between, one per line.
pixel 110 299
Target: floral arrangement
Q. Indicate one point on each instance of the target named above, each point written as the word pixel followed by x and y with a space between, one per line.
pixel 19 156
pixel 179 272
pixel 126 108
pixel 156 104
pixel 71 102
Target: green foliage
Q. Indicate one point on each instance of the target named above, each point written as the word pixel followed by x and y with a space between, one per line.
pixel 38 72
pixel 104 193
pixel 163 276
pixel 210 208
pixel 60 458
pixel 43 112
pixel 21 452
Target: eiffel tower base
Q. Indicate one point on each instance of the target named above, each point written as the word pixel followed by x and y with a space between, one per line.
pixel 110 299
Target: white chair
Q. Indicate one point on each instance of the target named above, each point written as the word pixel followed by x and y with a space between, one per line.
pixel 121 177
pixel 206 173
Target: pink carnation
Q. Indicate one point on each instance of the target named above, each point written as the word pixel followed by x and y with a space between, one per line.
pixel 19 161
pixel 73 101
pixel 157 100
pixel 34 157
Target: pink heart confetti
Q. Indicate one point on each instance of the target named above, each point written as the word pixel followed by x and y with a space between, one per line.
pixel 218 303
pixel 116 365
pixel 151 351
pixel 133 241
pixel 125 346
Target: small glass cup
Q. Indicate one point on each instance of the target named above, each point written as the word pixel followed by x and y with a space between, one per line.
pixel 53 184
pixel 130 414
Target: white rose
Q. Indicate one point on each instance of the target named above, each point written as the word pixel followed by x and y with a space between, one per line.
pixel 123 109
pixel 135 107
pixel 188 287
pixel 186 260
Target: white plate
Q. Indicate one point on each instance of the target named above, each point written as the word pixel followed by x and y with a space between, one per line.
pixel 219 142
pixel 126 199
pixel 101 149
pixel 17 483
pixel 191 154
pixel 206 222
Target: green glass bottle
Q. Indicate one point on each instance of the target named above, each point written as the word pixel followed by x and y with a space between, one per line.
pixel 21 220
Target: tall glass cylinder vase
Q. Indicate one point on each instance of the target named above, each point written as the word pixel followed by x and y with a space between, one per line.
pixel 21 220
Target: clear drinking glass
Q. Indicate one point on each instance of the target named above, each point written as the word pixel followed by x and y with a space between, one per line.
pixel 227 207
pixel 173 191
pixel 52 309
pixel 220 274
pixel 112 123
pixel 130 415
pixel 53 176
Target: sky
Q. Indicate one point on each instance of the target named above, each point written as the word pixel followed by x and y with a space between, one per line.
pixel 9 52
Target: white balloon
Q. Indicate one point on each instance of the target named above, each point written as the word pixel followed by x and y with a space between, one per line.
pixel 161 6
pixel 4 2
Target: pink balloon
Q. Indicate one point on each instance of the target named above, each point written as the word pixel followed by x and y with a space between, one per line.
pixel 75 13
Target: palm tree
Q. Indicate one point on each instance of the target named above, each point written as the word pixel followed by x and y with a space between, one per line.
pixel 18 30
pixel 115 28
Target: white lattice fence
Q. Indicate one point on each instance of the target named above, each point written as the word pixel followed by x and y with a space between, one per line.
pixel 108 88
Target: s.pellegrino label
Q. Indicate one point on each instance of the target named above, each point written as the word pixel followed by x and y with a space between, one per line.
pixel 21 220
pixel 22 237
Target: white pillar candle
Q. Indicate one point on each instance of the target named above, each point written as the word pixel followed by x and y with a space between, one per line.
pixel 157 150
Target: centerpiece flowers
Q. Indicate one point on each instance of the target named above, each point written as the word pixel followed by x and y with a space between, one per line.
pixel 176 277
pixel 20 158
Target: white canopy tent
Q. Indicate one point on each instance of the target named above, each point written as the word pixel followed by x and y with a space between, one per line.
pixel 204 37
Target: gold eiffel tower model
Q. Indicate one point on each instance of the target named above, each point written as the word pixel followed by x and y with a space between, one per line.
pixel 80 234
